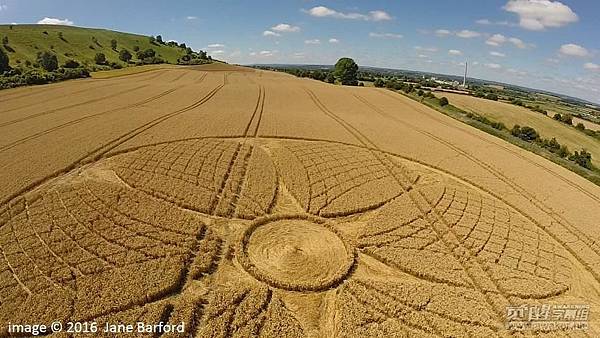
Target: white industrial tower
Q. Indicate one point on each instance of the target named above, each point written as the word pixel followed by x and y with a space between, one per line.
pixel 465 78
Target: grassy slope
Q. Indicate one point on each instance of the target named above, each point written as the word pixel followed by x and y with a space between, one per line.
pixel 28 40
pixel 510 115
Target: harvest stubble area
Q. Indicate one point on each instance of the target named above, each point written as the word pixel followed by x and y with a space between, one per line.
pixel 251 203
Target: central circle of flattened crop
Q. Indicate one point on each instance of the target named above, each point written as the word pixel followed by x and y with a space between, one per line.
pixel 296 254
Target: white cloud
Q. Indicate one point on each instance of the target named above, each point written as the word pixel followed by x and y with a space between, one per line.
pixel 426 49
pixel 496 40
pixel 386 35
pixel 591 66
pixel 216 45
pixel 572 49
pixel 299 55
pixel 55 21
pixel 334 40
pixel 3 7
pixel 498 23
pixel 322 12
pixel 518 43
pixel 270 33
pixel 235 54
pixel 285 28
pixel 266 53
pixel 379 16
pixel 493 65
pixel 216 52
pixel 467 34
pixel 423 56
pixel 191 17
pixel 312 42
pixel 442 32
pixel 498 54
pixel 541 14
pixel 454 52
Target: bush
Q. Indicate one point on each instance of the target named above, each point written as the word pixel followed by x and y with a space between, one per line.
pixel 136 48
pixel 48 61
pixel 148 53
pixel 330 78
pixel 71 64
pixel 566 118
pixel 444 101
pixel 580 126
pixel 492 97
pixel 115 65
pixel 582 158
pixel 100 59
pixel 125 55
pixel 379 83
pixel 525 133
pixel 113 44
pixel 4 61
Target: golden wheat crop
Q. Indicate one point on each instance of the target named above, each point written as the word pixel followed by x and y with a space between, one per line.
pixel 246 203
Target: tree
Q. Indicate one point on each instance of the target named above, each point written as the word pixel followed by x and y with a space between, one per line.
pixel 492 97
pixel 100 58
pixel 580 126
pixel 346 71
pixel 3 61
pixel 148 53
pixel 444 101
pixel 113 44
pixel 125 55
pixel 379 83
pixel 136 48
pixel 159 39
pixel 48 61
pixel 525 133
pixel 582 158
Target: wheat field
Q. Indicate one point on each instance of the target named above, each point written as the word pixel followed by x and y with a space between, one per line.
pixel 255 204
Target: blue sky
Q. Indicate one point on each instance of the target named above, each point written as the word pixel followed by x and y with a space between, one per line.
pixel 543 44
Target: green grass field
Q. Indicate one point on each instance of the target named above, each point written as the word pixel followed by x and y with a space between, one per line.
pixel 25 41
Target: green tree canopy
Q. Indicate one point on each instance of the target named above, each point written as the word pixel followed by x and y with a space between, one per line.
pixel 125 55
pixel 346 71
pixel 48 61
pixel 100 58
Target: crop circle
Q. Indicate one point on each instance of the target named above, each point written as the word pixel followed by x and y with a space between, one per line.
pixel 298 254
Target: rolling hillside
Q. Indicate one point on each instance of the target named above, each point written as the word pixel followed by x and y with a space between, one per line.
pixel 77 43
